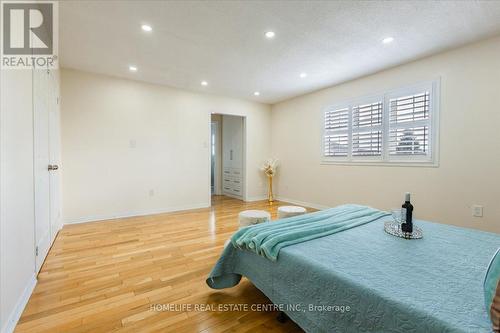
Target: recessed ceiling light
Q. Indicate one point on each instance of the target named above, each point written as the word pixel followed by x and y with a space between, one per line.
pixel 387 40
pixel 204 83
pixel 132 68
pixel 146 27
pixel 303 75
pixel 256 93
pixel 270 34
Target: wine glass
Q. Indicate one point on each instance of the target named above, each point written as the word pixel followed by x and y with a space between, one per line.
pixel 396 215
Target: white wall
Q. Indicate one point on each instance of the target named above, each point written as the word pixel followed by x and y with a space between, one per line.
pixel 104 176
pixel 17 243
pixel 468 171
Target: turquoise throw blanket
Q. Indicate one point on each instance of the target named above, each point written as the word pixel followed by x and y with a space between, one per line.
pixel 267 239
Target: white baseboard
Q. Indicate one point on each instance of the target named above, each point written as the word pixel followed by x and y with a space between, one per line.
pixel 16 313
pixel 303 203
pixel 95 218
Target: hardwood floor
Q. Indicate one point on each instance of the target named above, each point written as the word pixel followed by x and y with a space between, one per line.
pixel 105 276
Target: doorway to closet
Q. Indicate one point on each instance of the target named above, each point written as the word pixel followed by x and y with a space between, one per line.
pixel 227 156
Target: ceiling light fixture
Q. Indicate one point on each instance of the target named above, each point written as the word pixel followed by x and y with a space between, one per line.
pixel 132 68
pixel 303 75
pixel 146 27
pixel 256 93
pixel 204 83
pixel 270 34
pixel 387 40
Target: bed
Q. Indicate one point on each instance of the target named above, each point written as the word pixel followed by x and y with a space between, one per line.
pixel 364 280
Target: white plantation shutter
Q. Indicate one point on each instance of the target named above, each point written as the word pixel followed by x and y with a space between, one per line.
pixel 337 119
pixel 335 140
pixel 367 129
pixel 397 127
pixel 409 125
pixel 336 145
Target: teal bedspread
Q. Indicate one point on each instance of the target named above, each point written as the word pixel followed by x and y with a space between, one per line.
pixel 364 280
pixel 267 239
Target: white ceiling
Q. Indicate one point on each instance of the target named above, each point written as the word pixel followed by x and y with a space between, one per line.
pixel 223 42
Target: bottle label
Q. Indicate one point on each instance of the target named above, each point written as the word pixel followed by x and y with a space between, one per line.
pixel 403 215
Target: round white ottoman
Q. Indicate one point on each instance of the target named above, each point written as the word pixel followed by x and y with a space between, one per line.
pixel 289 211
pixel 251 217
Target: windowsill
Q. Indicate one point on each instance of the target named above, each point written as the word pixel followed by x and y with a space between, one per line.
pixel 424 164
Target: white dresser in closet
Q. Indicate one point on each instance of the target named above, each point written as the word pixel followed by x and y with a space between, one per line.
pixel 232 156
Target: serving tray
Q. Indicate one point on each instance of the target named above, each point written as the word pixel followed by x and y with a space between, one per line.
pixel 394 228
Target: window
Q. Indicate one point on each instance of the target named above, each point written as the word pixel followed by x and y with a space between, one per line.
pixel 367 129
pixel 336 134
pixel 396 127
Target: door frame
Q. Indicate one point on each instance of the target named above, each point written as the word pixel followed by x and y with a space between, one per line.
pixel 209 154
pixel 217 164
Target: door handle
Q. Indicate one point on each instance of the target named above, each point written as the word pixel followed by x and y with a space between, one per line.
pixel 53 167
pixel 231 155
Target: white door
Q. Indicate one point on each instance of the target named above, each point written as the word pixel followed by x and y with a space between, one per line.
pixel 41 163
pixel 54 151
pixel 227 142
pixel 237 143
pixel 232 142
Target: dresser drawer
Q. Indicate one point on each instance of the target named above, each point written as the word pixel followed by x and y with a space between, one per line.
pixel 236 191
pixel 232 181
pixel 226 178
pixel 227 183
pixel 236 182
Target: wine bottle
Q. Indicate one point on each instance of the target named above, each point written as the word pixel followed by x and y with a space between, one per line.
pixel 407 215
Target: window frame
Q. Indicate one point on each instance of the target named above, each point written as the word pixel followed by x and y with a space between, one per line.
pixel 385 159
